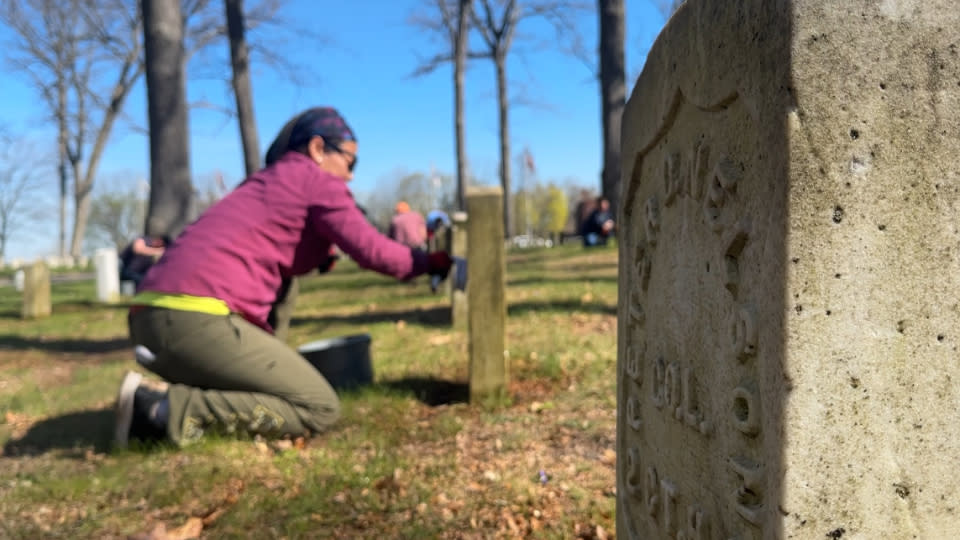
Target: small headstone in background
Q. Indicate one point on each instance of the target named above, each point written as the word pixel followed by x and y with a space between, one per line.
pixel 107 266
pixel 486 294
pixel 18 279
pixel 458 248
pixel 36 291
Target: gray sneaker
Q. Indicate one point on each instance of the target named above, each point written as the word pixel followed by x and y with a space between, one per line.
pixel 124 409
pixel 135 410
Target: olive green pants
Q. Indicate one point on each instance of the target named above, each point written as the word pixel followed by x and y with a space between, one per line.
pixel 227 375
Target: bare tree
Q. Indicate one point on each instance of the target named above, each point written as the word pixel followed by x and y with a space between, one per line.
pixel 612 91
pixel 45 49
pixel 83 57
pixel 464 9
pixel 497 22
pixel 171 189
pixel 116 217
pixel 498 31
pixel 451 21
pixel 240 61
pixel 21 177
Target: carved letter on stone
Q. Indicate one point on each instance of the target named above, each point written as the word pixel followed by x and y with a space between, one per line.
pixel 633 414
pixel 643 263
pixel 669 494
pixel 731 255
pixel 636 308
pixel 688 410
pixel 653 499
pixel 745 333
pixel 746 411
pixel 696 525
pixel 721 183
pixel 699 160
pixel 633 480
pixel 672 181
pixel 747 498
pixel 652 220
pixel 671 387
pixel 634 363
pixel 659 374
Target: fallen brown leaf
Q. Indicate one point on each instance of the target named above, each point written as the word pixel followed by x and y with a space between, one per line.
pixel 440 339
pixel 191 529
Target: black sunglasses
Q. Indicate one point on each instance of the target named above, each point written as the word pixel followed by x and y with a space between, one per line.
pixel 335 148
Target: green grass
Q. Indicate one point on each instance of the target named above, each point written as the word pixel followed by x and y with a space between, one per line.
pixel 409 458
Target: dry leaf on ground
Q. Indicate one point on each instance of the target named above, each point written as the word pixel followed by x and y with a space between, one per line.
pixel 191 529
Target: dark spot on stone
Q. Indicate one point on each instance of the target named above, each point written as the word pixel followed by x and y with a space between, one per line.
pixel 883 86
pixel 799 308
pixel 940 337
pixel 795 260
pixel 837 533
pixel 900 326
pixel 847 184
pixel 902 491
pixel 854 382
pixel 708 267
pixel 828 312
pixel 854 134
pixel 837 214
pixel 837 275
pixel 882 227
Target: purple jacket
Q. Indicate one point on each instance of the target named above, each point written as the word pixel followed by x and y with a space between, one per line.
pixel 280 222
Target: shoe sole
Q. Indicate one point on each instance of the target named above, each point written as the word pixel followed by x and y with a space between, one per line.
pixel 124 409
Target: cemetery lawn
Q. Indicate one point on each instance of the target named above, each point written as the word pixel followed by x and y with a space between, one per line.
pixel 408 459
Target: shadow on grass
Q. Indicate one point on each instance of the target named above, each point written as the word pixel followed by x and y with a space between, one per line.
pixel 68 345
pixel 430 391
pixel 524 281
pixel 563 306
pixel 77 431
pixel 437 316
pixel 61 307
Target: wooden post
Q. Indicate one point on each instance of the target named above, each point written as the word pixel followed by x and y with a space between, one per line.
pixel 458 248
pixel 36 291
pixel 486 295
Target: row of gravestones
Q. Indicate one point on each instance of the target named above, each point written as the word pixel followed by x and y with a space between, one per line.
pixel 34 283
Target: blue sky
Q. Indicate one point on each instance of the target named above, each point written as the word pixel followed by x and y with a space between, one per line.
pixel 362 67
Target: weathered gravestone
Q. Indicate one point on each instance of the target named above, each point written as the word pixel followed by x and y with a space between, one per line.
pixel 36 291
pixel 790 280
pixel 107 265
pixel 458 248
pixel 486 296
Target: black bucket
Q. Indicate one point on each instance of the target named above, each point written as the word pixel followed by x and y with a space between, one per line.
pixel 343 361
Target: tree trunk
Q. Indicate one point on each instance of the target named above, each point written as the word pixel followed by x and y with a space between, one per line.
pixel 83 185
pixel 171 190
pixel 460 61
pixel 504 105
pixel 240 60
pixel 62 151
pixel 613 93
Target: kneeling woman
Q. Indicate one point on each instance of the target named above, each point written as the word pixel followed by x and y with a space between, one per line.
pixel 199 318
